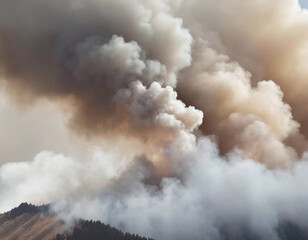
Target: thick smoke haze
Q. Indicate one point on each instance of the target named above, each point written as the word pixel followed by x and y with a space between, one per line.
pixel 171 119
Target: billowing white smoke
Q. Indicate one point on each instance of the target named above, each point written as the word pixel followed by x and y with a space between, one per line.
pixel 137 79
pixel 215 197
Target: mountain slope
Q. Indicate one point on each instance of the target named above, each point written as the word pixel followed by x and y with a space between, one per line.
pixel 89 230
pixel 29 222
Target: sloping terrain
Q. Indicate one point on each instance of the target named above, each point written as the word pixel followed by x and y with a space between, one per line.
pixel 29 222
pixel 89 230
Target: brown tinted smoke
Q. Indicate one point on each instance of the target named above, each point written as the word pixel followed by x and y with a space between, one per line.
pixel 116 65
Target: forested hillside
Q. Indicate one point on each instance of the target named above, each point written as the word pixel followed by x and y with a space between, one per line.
pixel 30 222
pixel 95 230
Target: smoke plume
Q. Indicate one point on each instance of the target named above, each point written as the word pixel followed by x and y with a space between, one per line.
pixel 172 119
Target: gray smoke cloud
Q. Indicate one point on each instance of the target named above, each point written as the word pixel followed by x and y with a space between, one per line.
pixel 87 62
pixel 171 119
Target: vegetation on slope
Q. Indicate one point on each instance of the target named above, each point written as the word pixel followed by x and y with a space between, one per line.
pixel 95 230
pixel 27 208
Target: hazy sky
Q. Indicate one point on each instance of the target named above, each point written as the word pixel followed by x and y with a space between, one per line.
pixel 304 3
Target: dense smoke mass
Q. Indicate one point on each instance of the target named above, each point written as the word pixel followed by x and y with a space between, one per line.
pixel 171 119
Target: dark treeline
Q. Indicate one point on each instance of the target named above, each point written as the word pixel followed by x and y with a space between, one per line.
pixel 95 230
pixel 286 230
pixel 290 231
pixel 26 208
